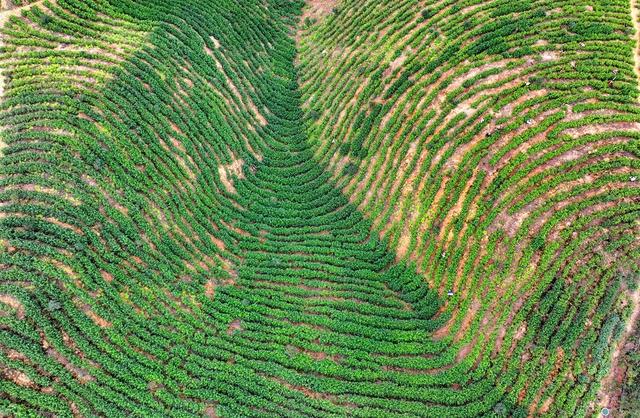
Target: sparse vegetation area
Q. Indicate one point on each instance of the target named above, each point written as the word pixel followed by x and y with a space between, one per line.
pixel 332 208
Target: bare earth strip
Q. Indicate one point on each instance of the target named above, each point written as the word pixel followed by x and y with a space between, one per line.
pixel 318 8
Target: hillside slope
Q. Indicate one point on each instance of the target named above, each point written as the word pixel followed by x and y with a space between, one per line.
pixel 496 144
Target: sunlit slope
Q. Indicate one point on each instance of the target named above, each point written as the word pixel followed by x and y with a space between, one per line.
pixel 494 143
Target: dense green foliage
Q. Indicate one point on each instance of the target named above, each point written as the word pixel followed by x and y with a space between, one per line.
pixel 199 218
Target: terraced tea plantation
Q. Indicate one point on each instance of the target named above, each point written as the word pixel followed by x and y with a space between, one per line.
pixel 352 208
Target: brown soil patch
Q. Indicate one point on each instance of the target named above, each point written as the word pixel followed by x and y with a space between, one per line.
pixel 403 246
pixel 394 65
pixel 101 322
pixel 234 228
pixel 8 9
pixel 234 326
pixel 91 182
pixel 106 276
pixel 510 224
pixel 316 355
pixel 231 281
pixel 210 412
pixel 594 129
pixel 16 376
pixel 465 350
pixel 520 332
pixel 98 320
pixel 154 386
pixel 546 405
pixel 246 101
pixel 318 8
pixel 80 374
pixel 177 156
pixel 233 169
pixel 218 242
pixel 467 109
pixel 84 116
pixel 210 288
pixel 48 190
pixel 176 128
pixel 14 303
pixel 66 339
pixel 469 315
pixel 16 355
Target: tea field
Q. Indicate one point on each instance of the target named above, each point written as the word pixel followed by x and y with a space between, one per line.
pixel 330 208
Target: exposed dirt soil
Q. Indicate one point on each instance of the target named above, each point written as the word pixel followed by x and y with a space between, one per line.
pixel 403 245
pixel 235 326
pixel 394 65
pixel 80 374
pixel 245 101
pixel 227 171
pixel 210 288
pixel 106 276
pixel 16 377
pixel 210 412
pixel 98 320
pixel 465 350
pixel 316 9
pixel 593 129
pixel 14 303
pixel 218 242
pixel 216 42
